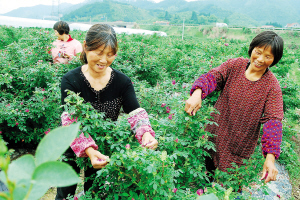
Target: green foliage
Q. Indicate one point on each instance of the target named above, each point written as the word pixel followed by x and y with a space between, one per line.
pixel 28 177
pixel 194 17
pixel 246 30
pixel 275 24
pixel 226 20
pixel 107 11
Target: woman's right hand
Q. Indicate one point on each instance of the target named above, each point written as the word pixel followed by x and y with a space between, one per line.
pixel 193 104
pixel 98 160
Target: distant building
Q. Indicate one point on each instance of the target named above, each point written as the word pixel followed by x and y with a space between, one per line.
pixel 268 27
pixel 221 25
pixel 293 25
pixel 161 23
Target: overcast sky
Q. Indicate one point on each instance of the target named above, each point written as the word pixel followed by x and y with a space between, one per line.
pixel 9 5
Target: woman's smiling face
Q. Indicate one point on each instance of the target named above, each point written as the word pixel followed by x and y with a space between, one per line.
pixel 261 58
pixel 99 59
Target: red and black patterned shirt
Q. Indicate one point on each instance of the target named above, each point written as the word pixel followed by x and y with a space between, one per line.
pixel 243 105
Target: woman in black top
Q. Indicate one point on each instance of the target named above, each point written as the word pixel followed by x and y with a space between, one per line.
pixel 107 90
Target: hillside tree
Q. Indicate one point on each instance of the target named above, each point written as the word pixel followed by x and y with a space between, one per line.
pixel 194 18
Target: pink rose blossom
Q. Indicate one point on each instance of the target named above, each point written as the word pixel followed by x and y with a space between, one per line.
pixel 205 190
pixel 17 123
pixel 27 110
pixel 168 108
pixel 17 109
pixel 226 44
pixel 200 192
pixel 75 198
pixel 184 86
pixel 10 77
pixel 174 190
pixel 7 105
pixel 203 136
pixel 170 117
pixel 43 89
pixel 176 140
pixel 278 196
pixel 21 103
pixel 173 82
pixel 212 57
pixel 0 132
pixel 284 87
pixel 46 132
pixel 163 105
pixel 127 146
pixel 168 111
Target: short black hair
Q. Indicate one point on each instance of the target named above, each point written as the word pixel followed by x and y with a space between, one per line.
pixel 268 39
pixel 62 27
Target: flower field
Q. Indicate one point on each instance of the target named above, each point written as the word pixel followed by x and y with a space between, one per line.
pixel 162 70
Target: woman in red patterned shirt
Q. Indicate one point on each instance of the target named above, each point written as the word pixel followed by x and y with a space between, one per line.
pixel 250 96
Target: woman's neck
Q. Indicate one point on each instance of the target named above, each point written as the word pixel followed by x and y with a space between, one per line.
pixel 93 74
pixel 64 37
pixel 253 75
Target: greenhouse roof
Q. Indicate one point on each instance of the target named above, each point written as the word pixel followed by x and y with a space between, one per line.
pixel 26 22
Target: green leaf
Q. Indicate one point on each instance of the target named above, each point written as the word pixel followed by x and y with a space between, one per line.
pixel 55 173
pixel 125 195
pixel 163 156
pixel 22 168
pixel 37 191
pixel 3 177
pixel 56 143
pixel 211 196
pixel 21 189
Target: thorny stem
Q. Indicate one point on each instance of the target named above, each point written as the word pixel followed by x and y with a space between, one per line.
pixel 162 174
pixel 186 128
pixel 144 193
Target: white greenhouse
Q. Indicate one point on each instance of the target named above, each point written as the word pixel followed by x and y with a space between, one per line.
pixel 25 22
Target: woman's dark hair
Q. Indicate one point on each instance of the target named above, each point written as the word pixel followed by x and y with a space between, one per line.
pixel 62 27
pixel 268 39
pixel 98 35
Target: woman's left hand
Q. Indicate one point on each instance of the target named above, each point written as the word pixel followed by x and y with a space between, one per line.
pixel 149 141
pixel 269 170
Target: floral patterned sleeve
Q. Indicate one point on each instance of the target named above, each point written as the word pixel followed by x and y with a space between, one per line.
pixel 215 79
pixel 272 128
pixel 272 137
pixel 206 82
pixel 139 123
pixel 79 144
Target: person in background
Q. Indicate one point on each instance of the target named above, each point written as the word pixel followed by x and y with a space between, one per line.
pixel 107 90
pixel 250 96
pixel 65 47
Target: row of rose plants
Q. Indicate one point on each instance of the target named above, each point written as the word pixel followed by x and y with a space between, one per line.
pixel 162 70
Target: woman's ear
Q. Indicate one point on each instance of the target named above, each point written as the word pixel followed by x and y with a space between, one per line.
pixel 84 46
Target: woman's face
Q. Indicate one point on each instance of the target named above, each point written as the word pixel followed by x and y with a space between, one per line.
pixel 59 37
pixel 99 59
pixel 261 58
